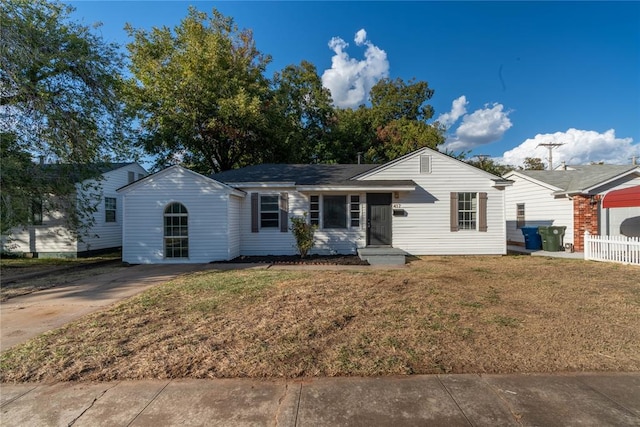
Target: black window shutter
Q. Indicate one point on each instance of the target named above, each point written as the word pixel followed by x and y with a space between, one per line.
pixel 254 212
pixel 454 212
pixel 284 212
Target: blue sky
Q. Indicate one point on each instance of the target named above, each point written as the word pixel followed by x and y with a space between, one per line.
pixel 507 75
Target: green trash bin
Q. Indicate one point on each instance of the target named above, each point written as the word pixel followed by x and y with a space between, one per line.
pixel 552 237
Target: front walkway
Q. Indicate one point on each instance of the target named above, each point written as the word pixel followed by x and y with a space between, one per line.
pixel 513 249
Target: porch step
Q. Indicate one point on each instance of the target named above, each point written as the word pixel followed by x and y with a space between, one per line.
pixel 383 256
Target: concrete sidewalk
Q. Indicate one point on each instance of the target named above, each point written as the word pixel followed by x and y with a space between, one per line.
pixel 601 399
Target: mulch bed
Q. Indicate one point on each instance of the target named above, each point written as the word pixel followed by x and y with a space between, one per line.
pixel 296 260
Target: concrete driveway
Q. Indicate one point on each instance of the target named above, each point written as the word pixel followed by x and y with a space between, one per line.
pixel 24 317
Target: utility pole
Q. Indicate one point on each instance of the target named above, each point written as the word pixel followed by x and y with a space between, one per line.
pixel 550 146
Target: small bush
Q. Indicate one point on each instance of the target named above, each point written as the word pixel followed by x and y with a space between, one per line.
pixel 303 233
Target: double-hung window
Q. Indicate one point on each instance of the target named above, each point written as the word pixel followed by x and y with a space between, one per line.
pixel 467 211
pixel 269 211
pixel 520 215
pixel 110 209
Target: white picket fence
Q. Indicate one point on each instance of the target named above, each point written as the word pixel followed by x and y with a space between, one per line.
pixel 622 249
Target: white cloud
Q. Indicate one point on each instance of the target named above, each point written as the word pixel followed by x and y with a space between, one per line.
pixel 361 37
pixel 481 127
pixel 579 147
pixel 349 79
pixel 458 109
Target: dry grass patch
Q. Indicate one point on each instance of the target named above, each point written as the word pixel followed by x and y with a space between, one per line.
pixel 442 314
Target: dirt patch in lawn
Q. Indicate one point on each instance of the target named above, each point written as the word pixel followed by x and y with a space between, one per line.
pixel 440 315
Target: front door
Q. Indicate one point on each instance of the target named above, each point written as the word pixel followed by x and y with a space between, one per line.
pixel 378 219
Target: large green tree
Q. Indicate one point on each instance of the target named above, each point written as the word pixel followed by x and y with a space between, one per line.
pixel 15 181
pixel 301 116
pixel 533 163
pixel 200 93
pixel 202 99
pixel 59 84
pixel 400 115
pixel 395 123
pixel 352 135
pixel 59 99
pixel 490 165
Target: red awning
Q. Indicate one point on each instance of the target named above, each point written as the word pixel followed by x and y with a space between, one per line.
pixel 625 198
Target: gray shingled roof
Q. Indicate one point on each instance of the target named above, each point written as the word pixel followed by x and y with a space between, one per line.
pixel 317 174
pixel 76 173
pixel 580 178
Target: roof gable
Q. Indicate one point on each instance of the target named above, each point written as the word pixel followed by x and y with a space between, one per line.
pixel 426 150
pixel 534 179
pixel 184 171
pixel 578 179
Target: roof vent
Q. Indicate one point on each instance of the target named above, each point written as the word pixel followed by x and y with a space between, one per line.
pixel 425 164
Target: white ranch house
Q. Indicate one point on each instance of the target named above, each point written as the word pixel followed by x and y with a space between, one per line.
pixel 48 236
pixel 423 203
pixel 572 196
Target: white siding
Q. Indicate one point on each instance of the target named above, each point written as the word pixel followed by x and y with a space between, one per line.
pixel 43 239
pixel 328 241
pixel 619 184
pixel 206 202
pixel 235 204
pixel 425 229
pixel 272 241
pixel 54 238
pixel 540 206
pixel 268 241
pixel 104 234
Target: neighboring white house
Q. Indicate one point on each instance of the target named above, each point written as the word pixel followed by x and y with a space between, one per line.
pixel 423 203
pixel 48 234
pixel 569 196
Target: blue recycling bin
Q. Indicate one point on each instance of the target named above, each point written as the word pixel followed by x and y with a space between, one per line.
pixel 532 239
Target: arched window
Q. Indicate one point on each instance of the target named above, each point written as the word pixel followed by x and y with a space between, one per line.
pixel 176 231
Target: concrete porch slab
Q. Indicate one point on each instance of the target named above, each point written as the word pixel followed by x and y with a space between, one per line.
pixel 383 255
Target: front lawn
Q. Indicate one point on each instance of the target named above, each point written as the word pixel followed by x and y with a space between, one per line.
pixel 440 315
